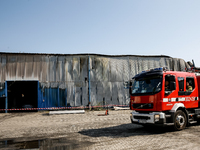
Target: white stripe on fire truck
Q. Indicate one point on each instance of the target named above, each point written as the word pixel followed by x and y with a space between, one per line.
pixel 181 99
pixel 173 99
pixel 165 99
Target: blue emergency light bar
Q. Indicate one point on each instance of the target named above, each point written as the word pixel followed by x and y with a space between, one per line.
pixel 157 69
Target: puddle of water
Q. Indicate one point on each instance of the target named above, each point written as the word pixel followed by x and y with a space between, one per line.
pixel 11 144
pixel 45 144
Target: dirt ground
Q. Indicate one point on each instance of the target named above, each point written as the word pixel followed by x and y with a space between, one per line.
pixel 39 130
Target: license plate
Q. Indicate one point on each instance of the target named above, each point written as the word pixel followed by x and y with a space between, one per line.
pixel 142 121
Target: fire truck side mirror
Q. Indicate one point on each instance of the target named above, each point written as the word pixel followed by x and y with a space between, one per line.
pixel 172 86
pixel 126 84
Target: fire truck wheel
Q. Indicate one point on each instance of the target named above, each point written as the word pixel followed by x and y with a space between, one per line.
pixel 180 120
pixel 198 121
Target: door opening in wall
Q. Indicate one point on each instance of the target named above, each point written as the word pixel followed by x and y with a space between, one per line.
pixel 22 94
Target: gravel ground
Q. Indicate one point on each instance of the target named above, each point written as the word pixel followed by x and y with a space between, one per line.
pixel 39 130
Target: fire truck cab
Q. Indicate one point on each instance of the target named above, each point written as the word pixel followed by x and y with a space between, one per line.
pixel 162 97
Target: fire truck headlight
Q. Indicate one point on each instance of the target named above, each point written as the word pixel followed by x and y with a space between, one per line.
pixel 157 117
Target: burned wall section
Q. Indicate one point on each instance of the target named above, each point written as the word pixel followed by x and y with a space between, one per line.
pixel 63 79
pixel 109 73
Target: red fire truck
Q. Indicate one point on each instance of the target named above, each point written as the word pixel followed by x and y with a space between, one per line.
pixel 162 97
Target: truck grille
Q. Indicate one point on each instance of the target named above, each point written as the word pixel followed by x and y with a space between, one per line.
pixel 143 106
pixel 141 117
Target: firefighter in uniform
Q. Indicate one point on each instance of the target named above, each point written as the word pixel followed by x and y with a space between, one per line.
pixel 188 87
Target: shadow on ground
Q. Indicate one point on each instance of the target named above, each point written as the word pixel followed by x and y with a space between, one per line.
pixel 126 130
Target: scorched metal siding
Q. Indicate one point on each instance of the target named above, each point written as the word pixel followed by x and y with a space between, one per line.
pixel 63 79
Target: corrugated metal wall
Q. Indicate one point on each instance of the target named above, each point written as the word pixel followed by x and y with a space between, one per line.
pixel 63 79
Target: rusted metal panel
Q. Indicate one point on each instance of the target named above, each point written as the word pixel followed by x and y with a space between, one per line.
pixel 76 68
pixel 107 89
pixel 3 68
pixel 162 62
pixel 28 70
pixel 99 92
pixel 108 92
pixel 60 69
pixel 77 93
pixel 83 69
pixel 85 95
pixel 20 71
pixel 70 94
pixel 119 69
pixel 126 70
pixel 11 67
pixel 112 70
pixel 93 93
pixel 168 62
pixel 96 69
pixel 133 66
pixel 175 64
pixel 106 69
pixel 37 67
pixel 157 63
pixel 52 68
pixel 77 96
pixel 45 73
pixel 140 64
pixel 100 69
pixel 114 96
pixel 68 69
pixel 147 63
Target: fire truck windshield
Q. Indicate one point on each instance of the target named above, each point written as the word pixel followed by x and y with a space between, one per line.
pixel 147 85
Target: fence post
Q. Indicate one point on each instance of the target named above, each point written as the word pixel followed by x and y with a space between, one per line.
pixel 89 82
pixel 6 95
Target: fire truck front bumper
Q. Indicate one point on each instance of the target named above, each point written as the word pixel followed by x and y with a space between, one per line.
pixel 156 118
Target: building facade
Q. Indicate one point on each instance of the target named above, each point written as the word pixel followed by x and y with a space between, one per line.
pixel 58 80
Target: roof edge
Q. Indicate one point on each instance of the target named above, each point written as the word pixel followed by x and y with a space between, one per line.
pixel 83 54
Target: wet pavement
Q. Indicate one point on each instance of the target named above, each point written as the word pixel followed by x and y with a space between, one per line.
pixel 50 144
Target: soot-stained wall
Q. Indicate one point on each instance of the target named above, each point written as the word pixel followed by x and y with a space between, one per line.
pixel 63 79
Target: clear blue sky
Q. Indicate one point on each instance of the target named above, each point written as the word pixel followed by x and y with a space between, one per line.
pixel 113 27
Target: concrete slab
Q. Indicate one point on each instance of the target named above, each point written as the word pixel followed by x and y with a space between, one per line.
pixel 121 108
pixel 66 112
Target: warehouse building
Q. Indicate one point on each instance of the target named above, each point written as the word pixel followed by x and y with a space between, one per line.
pixel 59 80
